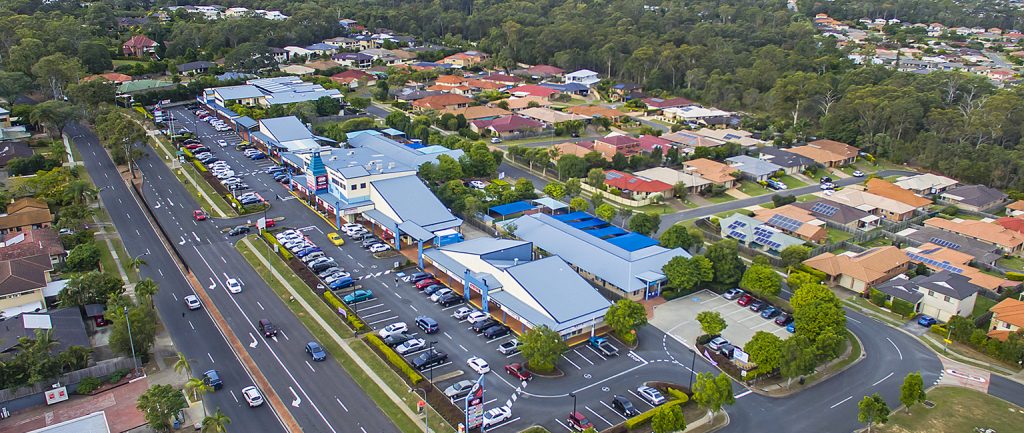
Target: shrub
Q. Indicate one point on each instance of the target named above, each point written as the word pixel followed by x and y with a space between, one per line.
pixel 395 359
pixel 88 384
pixel 1015 276
pixel 645 417
pixel 940 330
pixel 816 273
pixel 704 339
pixel 117 375
pixel 677 394
pixel 285 254
pixel 877 297
pixel 353 320
pixel 950 210
pixel 903 308
pixel 199 166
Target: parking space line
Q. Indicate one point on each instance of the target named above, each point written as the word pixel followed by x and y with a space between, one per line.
pixel 614 411
pixel 463 348
pixel 362 308
pixel 766 322
pixel 382 320
pixel 723 305
pixel 599 416
pixel 563 425
pixel 638 398
pixel 748 318
pixel 366 316
pixel 597 353
pixel 436 367
pixel 573 363
pixel 584 357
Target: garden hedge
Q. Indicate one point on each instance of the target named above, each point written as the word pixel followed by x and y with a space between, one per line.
pixel 395 359
pixel 353 319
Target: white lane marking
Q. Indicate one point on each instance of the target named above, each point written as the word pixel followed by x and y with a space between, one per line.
pixel 161 272
pixel 261 306
pixel 233 395
pixel 285 335
pixel 584 357
pixel 191 325
pixel 310 366
pixel 463 348
pixel 342 404
pixel 383 320
pixel 255 342
pixel 196 236
pixel 573 363
pixel 414 308
pixel 742 394
pixel 211 357
pixel 599 416
pixel 174 296
pixel 895 347
pixel 882 379
pixel 297 401
pixel 850 318
pixel 841 402
pixel 223 259
pixel 448 335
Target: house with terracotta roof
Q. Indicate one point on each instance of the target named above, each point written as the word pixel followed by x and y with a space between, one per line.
pixel 688 141
pixel 442 102
pixel 596 111
pixel 481 85
pixel 829 153
pixel 613 144
pixel 714 171
pixel 1007 318
pixel 518 104
pixel 532 90
pixel 478 112
pixel 883 188
pixel 467 59
pixel 892 210
pixel 940 258
pixel 353 77
pixel 502 79
pixel 658 104
pixel 139 46
pixel 544 71
pixel 975 198
pixel 637 187
pixel 26 213
pixel 1009 241
pixel 925 183
pixel 693 182
pixel 32 242
pixel 1012 223
pixel 506 126
pixel 21 284
pixel 549 116
pixel 650 142
pixel 1016 208
pixel 794 221
pixel 860 271
pixel 451 80
pixel 579 148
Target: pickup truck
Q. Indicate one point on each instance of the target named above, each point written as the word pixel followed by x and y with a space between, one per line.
pixel 509 347
pixel 603 346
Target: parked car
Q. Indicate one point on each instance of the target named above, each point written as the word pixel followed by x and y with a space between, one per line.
pixel 462 313
pixel 436 296
pixel 358 296
pixel 321 266
pixel 433 288
pixel 252 396
pixel 192 302
pixel 727 350
pixel 430 359
pixel 745 300
pixel 496 416
pixel 770 312
pixel 716 343
pixel 496 331
pixel 791 327
pixel 459 389
pixel 624 406
pixel 478 365
pixel 480 326
pixel 784 319
pixel 509 347
pixel 397 339
pixel 411 346
pixel 518 371
pixel 733 293
pixel 393 329
pixel 477 316
pixel 650 395
pixel 603 346
pixel 579 422
pixel 420 276
pixel 341 283
pixel 757 305
pixel 423 284
pixel 315 350
pixel 858 173
pixel 450 299
pixel 926 321
pixel 379 248
pixel 427 324
pixel 369 242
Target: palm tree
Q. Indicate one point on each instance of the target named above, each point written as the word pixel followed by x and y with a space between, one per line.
pixel 182 365
pixel 216 423
pixel 146 288
pixel 79 191
pixel 198 388
pixel 136 262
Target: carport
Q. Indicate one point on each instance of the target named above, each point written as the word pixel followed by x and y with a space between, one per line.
pixel 509 210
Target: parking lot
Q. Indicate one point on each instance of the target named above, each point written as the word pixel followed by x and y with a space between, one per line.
pixel 679 318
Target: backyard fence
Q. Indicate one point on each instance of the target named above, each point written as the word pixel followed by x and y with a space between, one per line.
pixel 102 369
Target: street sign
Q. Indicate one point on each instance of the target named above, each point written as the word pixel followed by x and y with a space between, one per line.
pixel 475 405
pixel 56 395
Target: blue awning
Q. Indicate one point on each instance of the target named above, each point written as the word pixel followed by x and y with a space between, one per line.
pixel 632 241
pixel 512 208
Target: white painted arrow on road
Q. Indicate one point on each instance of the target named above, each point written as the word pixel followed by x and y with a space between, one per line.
pixel 255 342
pixel 182 241
pixel 213 284
pixel 297 401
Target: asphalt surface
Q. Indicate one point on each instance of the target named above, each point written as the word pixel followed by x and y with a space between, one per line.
pixel 322 395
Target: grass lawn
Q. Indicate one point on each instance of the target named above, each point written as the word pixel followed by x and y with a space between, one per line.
pixel 792 182
pixel 982 304
pixel 957 410
pixel 720 198
pixel 806 198
pixel 880 241
pixel 403 422
pixel 752 188
pixel 657 209
pixel 126 62
pixel 1011 263
pixel 529 140
pixel 837 236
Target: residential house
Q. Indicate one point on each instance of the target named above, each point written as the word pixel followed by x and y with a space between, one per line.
pixel 585 77
pixel 860 271
pixel 892 210
pixel 139 46
pixel 1015 209
pixel 650 142
pixel 477 85
pixel 794 221
pixel 940 258
pixel 839 213
pixel 465 60
pixel 442 102
pixel 353 60
pixel 26 213
pixel 883 188
pixel 827 152
pixel 658 104
pixel 478 112
pixel 342 42
pixel 411 94
pixel 12 149
pixel 280 55
pixel 730 135
pixel 617 144
pixel 1009 241
pixel 755 234
pixel 110 77
pixel 505 126
pixel 21 284
pixel 1007 318
pixel 594 111
pixel 715 172
pixel 752 168
pixel 354 78
pixel 941 295
pixel 637 187
pixel 975 198
pixel 688 142
pixel 386 57
pixel 294 52
pixel 454 80
pixel 321 49
pixel 503 79
pixel 32 242
pixel 518 104
pixel 544 71
pixel 549 116
pixel 579 148
pixel 626 91
pixel 695 114
pixel 926 183
pixel 195 68
pixel 299 70
pixel 532 90
pixel 791 163
pixel 322 65
pixel 693 182
pixel 576 89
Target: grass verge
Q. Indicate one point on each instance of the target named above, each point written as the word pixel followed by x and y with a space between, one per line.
pixel 394 382
pixel 957 410
pixel 982 304
pixel 166 152
pixel 1011 263
pixel 792 182
pixel 720 198
pixel 752 188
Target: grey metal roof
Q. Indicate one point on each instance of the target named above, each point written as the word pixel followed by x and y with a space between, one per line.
pixel 982 252
pixel 948 283
pixel 901 287
pixel 190 66
pixel 412 229
pixel 243 91
pixel 974 195
pixel 844 214
pixel 67 327
pixel 286 128
pixel 412 201
pixel 784 159
pixel 597 256
pixel 399 152
pixel 753 166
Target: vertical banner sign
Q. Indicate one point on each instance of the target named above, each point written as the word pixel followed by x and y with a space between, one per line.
pixel 475 405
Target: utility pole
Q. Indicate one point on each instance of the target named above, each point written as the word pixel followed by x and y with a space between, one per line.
pixel 135 361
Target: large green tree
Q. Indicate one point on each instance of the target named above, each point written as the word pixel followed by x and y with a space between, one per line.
pixel 765 350
pixel 668 419
pixel 711 322
pixel 143 330
pixel 725 258
pixel 159 403
pixel 624 317
pixel 90 288
pixel 55 71
pixel 688 273
pixel 95 57
pixel 872 410
pixel 678 236
pixel 712 392
pixel 799 357
pixel 645 223
pixel 761 280
pixel 54 115
pixel 541 348
pixel 912 390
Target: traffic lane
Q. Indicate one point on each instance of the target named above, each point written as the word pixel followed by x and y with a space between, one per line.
pixel 202 352
pixel 1006 389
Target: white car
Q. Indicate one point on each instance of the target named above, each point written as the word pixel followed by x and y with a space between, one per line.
pixel 337 276
pixel 858 173
pixel 222 143
pixel 350 226
pixel 252 396
pixel 477 184
pixel 393 329
pixel 192 301
pixel 224 174
pixel 497 416
pixel 462 313
pixel 438 294
pixel 378 248
pixel 411 346
pixel 234 286
pixel 478 365
pixel 476 316
pixel 650 395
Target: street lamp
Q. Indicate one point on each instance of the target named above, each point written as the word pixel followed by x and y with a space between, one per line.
pixel 432 343
pixel 573 395
pixel 135 360
pixel 693 363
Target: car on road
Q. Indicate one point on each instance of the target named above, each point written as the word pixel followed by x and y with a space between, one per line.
pixel 436 296
pixel 450 299
pixel 459 389
pixel 315 350
pixel 480 326
pixel 212 378
pixel 462 313
pixel 379 248
pixel 518 371
pixel 717 343
pixel 233 285
pixel 192 302
pixel 624 406
pixel 427 324
pixel 335 239
pixel 827 186
pixel 496 331
pixel 579 422
pixel 770 312
pixel 411 346
pixel 478 365
pixel 397 339
pixel 476 316
pixel 757 305
pixel 745 300
pixel 358 296
pixel 222 143
pixel 650 395
pixel 198 215
pixel 825 179
pixel 784 319
pixel 239 230
pixel 496 416
pixel 267 328
pixel 495 140
pixel 509 347
pixel 252 396
pixel 393 329
pixel 733 293
pixel 430 359
pixel 926 321
pixel 858 173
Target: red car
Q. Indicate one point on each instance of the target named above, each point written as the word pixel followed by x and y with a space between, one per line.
pixel 423 284
pixel 271 222
pixel 745 300
pixel 199 215
pixel 578 421
pixel 517 371
pixel 193 146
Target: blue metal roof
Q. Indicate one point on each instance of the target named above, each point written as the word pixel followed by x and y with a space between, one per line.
pixel 512 208
pixel 632 241
pixel 393 132
pixel 583 224
pixel 607 232
pixel 246 122
pixel 573 216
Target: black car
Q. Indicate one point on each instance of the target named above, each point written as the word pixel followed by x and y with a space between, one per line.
pixel 369 242
pixel 783 319
pixel 758 305
pixel 199 150
pixel 432 288
pixel 240 230
pixel 397 339
pixel 450 299
pixel 480 326
pixel 267 328
pixel 726 350
pixel 624 406
pixel 322 266
pixel 496 331
pixel 429 359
